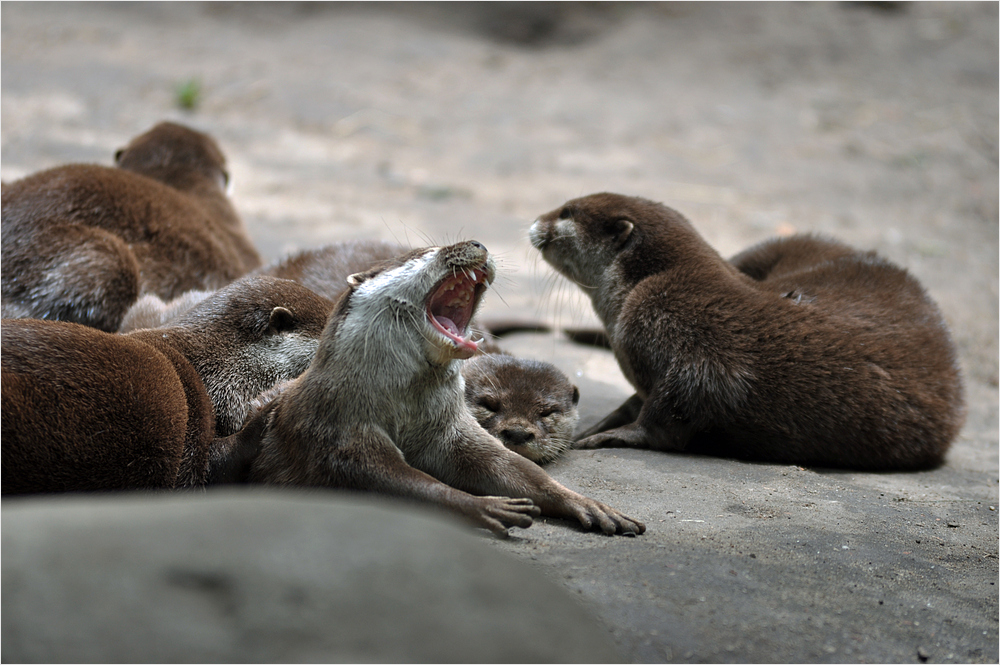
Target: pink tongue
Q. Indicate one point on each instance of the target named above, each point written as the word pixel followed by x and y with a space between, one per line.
pixel 448 325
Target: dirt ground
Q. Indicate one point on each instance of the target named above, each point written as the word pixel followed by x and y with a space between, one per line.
pixel 422 123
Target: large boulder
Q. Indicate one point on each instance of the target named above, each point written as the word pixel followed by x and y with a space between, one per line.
pixel 254 575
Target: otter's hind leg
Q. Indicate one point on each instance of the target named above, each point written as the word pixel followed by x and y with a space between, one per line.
pixel 71 272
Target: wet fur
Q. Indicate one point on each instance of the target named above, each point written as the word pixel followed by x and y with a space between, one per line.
pixel 88 410
pixel 381 409
pixel 800 350
pixel 82 242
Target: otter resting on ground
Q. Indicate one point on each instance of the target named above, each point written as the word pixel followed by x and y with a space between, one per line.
pixel 87 410
pixel 801 350
pixel 82 242
pixel 381 407
pixel 528 404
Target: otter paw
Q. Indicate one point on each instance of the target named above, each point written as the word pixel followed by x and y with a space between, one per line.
pixel 499 513
pixel 600 440
pixel 592 513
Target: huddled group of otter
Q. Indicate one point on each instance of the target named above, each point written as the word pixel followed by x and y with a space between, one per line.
pixel 144 345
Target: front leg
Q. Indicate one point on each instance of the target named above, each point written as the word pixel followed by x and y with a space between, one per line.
pixel 476 462
pixel 364 458
pixel 371 461
pixel 654 426
pixel 623 415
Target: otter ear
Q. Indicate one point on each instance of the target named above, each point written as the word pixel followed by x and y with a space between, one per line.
pixel 623 229
pixel 358 278
pixel 280 321
pixel 576 395
pixel 118 155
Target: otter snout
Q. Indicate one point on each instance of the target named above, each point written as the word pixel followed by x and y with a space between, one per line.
pixel 516 436
pixel 469 254
pixel 552 226
pixel 538 234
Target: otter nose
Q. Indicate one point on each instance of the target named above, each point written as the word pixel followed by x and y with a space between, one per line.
pixel 516 436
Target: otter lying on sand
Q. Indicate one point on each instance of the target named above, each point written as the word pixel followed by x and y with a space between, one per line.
pixel 801 350
pixel 82 242
pixel 381 407
pixel 88 410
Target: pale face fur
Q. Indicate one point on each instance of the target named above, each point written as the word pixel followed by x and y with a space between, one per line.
pixel 403 368
pixel 588 260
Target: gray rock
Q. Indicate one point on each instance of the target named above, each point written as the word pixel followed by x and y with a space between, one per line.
pixel 264 575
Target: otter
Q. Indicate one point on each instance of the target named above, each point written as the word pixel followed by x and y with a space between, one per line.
pixel 150 311
pixel 801 350
pixel 88 410
pixel 381 406
pixel 82 242
pixel 529 405
pixel 325 270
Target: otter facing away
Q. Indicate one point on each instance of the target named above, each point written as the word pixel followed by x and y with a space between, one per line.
pixel 82 242
pixel 88 410
pixel 801 350
pixel 381 407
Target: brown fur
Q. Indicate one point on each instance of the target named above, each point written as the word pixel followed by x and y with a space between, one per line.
pixel 82 242
pixel 381 407
pixel 529 405
pixel 151 311
pixel 325 270
pixel 801 350
pixel 89 410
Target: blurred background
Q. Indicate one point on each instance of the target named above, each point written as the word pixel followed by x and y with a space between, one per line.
pixel 426 122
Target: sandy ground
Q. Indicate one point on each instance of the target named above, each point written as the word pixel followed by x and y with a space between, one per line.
pixel 429 123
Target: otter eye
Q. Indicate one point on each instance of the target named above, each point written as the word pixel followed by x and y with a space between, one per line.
pixel 565 213
pixel 547 411
pixel 489 403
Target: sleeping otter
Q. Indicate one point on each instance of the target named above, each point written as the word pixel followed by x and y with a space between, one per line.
pixel 381 407
pixel 89 410
pixel 82 242
pixel 529 405
pixel 802 350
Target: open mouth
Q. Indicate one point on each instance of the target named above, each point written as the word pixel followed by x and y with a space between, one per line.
pixel 451 305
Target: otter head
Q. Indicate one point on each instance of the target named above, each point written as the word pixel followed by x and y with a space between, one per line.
pixel 248 337
pixel 530 406
pixel 421 303
pixel 607 243
pixel 175 155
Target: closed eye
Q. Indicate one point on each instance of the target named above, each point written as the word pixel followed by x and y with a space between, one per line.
pixel 546 412
pixel 489 403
